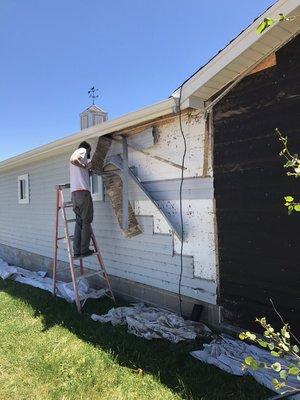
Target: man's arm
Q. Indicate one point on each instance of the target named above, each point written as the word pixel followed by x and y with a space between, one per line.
pixel 78 163
pixel 77 158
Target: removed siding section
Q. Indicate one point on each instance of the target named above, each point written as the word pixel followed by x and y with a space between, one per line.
pixel 258 241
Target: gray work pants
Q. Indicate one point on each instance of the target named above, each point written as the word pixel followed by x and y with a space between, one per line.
pixel 83 208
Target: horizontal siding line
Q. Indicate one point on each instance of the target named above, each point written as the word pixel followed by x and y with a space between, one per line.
pixel 150 264
pixel 107 243
pixel 143 238
pixel 143 254
pixel 162 276
pixel 103 242
pixel 48 234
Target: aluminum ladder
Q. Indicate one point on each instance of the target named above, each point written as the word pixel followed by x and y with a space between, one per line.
pixel 61 205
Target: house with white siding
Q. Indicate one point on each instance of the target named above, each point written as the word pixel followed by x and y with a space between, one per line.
pixel 154 265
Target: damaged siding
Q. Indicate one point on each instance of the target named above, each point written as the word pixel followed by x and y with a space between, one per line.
pixel 199 240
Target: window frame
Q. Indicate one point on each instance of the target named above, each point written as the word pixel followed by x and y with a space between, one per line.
pixel 98 196
pixel 26 199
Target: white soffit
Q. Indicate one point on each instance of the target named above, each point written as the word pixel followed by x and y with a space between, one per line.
pixel 245 51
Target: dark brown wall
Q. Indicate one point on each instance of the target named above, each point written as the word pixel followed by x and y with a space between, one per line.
pixel 259 244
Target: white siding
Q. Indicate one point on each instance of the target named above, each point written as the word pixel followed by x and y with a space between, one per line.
pixel 149 258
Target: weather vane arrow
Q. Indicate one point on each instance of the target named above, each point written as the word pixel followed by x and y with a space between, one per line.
pixel 92 94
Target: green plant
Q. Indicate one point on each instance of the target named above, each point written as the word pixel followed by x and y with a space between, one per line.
pixel 279 344
pixel 293 163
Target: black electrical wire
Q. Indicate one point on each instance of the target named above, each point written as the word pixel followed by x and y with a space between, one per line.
pixel 180 201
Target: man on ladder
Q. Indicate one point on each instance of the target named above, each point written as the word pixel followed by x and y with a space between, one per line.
pixel 81 199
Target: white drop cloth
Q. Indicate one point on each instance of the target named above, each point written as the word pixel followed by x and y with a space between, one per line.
pixel 228 354
pixel 154 323
pixel 38 279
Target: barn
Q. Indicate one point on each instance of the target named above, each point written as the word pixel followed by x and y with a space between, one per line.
pixel 237 246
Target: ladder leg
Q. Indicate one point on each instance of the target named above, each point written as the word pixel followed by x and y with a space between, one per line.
pixel 102 266
pixel 55 243
pixel 66 230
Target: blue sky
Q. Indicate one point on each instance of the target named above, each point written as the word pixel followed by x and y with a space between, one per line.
pixel 135 52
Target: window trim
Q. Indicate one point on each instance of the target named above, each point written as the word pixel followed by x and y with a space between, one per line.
pixel 25 178
pixel 98 196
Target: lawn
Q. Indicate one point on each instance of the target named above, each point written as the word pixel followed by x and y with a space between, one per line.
pixel 49 351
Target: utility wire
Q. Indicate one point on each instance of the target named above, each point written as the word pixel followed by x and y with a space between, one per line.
pixel 180 201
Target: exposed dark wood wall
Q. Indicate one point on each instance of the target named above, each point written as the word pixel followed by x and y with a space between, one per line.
pixel 259 244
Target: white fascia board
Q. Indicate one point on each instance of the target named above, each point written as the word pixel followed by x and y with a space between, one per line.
pixel 154 111
pixel 237 47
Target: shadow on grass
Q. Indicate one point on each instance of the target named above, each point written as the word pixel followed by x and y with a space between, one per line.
pixel 170 363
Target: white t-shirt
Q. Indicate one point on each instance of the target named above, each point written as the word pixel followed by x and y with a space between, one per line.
pixel 79 177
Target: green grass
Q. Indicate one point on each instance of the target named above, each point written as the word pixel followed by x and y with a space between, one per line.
pixel 49 351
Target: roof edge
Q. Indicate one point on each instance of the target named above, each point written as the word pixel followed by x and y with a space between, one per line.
pixel 153 111
pixel 234 48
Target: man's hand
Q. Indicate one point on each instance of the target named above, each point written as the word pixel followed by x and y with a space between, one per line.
pixel 78 163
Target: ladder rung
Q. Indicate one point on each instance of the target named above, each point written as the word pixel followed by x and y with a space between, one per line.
pixel 71 220
pixel 64 186
pixel 68 204
pixel 64 237
pixel 93 254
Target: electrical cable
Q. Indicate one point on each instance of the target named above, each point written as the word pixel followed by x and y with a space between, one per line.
pixel 180 201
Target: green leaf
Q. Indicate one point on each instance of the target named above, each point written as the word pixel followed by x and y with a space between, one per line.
pixel 270 21
pixel 262 343
pixel 285 333
pixel 276 366
pixel 289 199
pixel 271 346
pixel 242 336
pixel 277 384
pixel 282 17
pixel 275 354
pixel 294 371
pixel 290 209
pixel 250 335
pixel 297 207
pixel 284 346
pixel 249 360
pixel 261 27
pixel 296 349
pixel 264 25
pixel 283 374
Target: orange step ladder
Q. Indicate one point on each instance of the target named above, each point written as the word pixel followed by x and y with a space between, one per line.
pixel 61 205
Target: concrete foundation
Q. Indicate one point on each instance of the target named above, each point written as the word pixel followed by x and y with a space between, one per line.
pixel 124 289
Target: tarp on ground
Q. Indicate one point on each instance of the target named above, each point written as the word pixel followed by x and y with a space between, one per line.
pixel 154 323
pixel 228 354
pixel 40 280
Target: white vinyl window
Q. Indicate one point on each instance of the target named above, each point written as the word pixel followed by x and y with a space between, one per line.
pixel 23 189
pixel 97 189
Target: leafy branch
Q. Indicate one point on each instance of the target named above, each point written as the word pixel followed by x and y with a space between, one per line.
pixel 279 344
pixel 292 162
pixel 270 21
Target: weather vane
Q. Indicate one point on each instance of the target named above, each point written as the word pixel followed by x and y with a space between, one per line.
pixel 92 94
